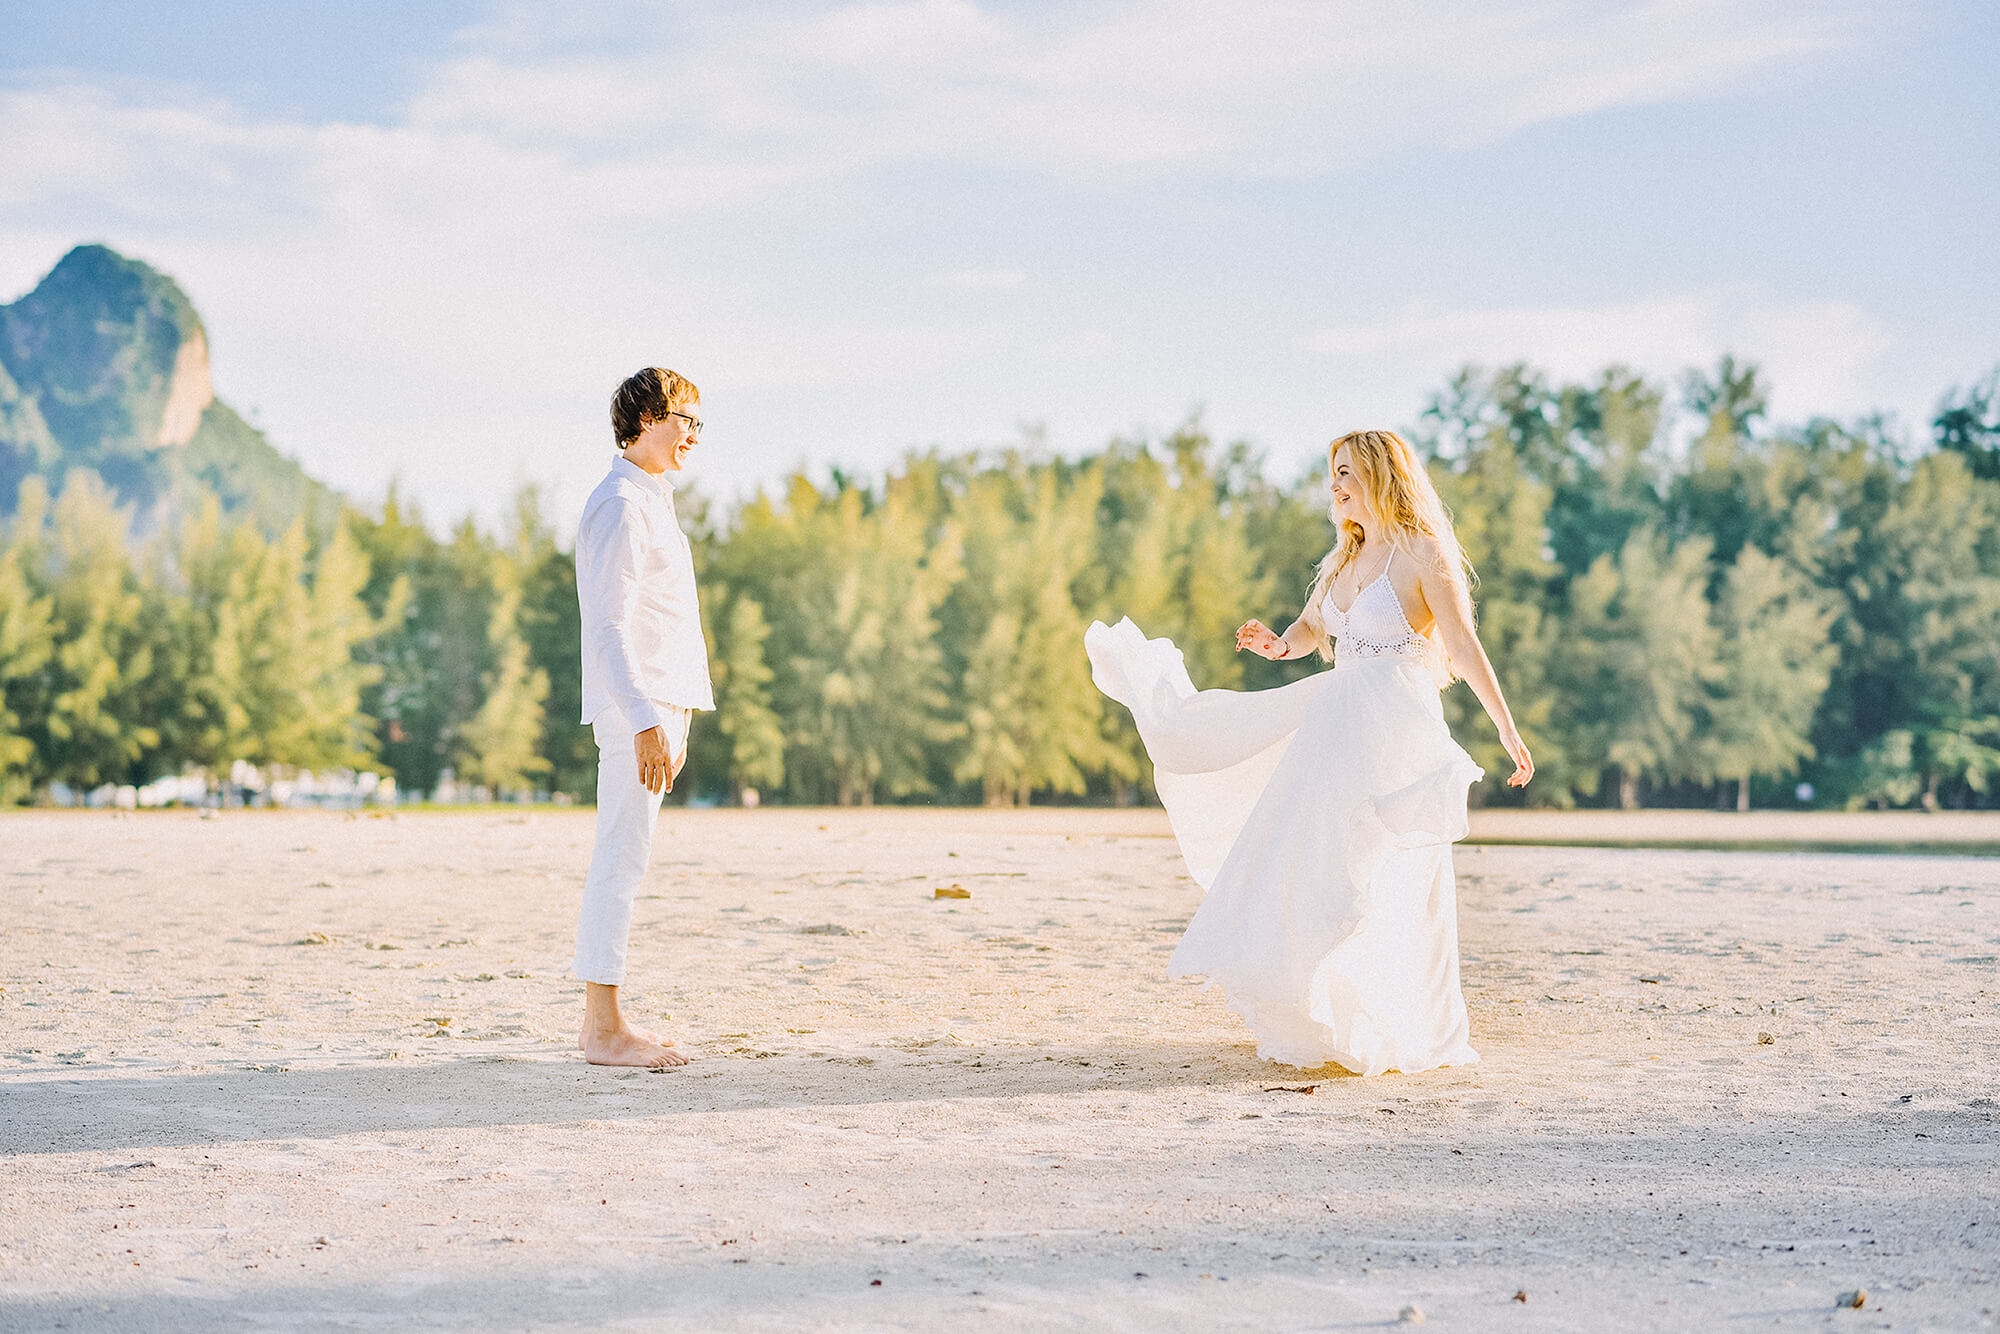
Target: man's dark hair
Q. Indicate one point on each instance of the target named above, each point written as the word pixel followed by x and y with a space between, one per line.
pixel 646 398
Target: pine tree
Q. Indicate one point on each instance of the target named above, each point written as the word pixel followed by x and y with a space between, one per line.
pixel 91 728
pixel 550 621
pixel 1611 484
pixel 338 733
pixel 996 752
pixel 1924 603
pixel 27 642
pixel 500 743
pixel 262 638
pixel 409 589
pixel 1968 424
pixel 211 627
pixel 1715 498
pixel 1034 722
pixel 744 714
pixel 1775 657
pixel 855 581
pixel 1638 655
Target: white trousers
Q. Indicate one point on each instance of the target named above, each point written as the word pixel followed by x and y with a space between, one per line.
pixel 626 812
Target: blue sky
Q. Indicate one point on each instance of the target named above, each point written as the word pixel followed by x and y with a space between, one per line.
pixel 429 239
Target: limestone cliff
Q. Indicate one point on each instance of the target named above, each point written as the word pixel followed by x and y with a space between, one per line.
pixel 104 365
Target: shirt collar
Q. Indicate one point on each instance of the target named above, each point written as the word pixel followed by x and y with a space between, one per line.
pixel 624 467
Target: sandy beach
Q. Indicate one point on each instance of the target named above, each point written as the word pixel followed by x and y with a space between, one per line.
pixel 317 1071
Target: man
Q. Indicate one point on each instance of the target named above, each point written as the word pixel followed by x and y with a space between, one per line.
pixel 645 670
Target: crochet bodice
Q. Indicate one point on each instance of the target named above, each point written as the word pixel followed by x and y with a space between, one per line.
pixel 1374 624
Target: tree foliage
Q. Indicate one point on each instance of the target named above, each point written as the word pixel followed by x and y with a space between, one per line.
pixel 1685 604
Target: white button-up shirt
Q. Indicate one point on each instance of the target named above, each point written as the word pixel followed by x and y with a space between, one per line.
pixel 642 640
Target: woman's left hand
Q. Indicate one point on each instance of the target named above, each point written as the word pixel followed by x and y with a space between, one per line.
pixel 1524 763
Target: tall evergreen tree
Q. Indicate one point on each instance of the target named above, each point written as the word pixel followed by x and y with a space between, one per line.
pixel 499 743
pixel 1714 497
pixel 406 591
pixel 854 581
pixel 1612 485
pixel 755 733
pixel 262 638
pixel 550 622
pixel 1638 657
pixel 1772 669
pixel 90 727
pixel 211 630
pixel 1034 722
pixel 1925 605
pixel 1968 424
pixel 337 626
pixel 27 642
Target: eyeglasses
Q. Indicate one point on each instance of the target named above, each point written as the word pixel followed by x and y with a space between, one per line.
pixel 694 423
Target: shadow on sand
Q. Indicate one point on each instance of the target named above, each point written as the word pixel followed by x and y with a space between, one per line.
pixel 106 1114
pixel 930 1285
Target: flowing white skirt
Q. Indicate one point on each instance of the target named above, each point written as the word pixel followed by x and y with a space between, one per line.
pixel 1319 817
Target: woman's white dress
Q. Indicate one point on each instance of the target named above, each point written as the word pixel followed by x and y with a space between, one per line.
pixel 1319 817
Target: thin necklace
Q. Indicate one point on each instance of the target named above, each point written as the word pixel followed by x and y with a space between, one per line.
pixel 1356 563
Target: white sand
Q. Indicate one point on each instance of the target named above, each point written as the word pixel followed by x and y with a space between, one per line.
pixel 997 1107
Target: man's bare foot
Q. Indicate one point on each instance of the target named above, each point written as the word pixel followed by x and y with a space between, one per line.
pixel 625 1046
pixel 607 1039
pixel 643 1034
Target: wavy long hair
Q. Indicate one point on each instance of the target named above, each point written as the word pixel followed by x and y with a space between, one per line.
pixel 1398 492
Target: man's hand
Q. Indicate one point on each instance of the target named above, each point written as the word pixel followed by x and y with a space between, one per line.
pixel 656 763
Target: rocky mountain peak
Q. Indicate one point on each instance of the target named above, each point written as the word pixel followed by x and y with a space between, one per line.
pixel 112 353
pixel 104 367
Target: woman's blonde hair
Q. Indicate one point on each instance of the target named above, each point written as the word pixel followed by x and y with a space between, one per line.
pixel 1398 492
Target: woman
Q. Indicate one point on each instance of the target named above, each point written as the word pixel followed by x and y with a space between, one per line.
pixel 1320 816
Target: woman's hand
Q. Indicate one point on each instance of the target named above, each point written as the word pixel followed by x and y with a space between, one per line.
pixel 1263 641
pixel 1524 763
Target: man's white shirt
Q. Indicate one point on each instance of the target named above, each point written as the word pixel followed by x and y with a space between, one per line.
pixel 642 641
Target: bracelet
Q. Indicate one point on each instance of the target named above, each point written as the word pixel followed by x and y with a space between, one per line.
pixel 1288 649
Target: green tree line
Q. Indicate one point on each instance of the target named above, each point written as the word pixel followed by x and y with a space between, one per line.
pixel 1686 605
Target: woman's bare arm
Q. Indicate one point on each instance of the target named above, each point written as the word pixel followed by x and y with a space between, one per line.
pixel 1452 609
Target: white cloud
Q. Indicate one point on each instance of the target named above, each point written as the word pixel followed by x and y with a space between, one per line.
pixel 725 108
pixel 1259 87
pixel 441 295
pixel 1820 357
